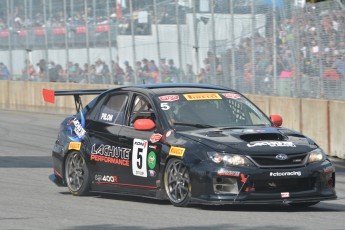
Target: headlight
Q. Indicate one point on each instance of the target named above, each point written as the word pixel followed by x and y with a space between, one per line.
pixel 316 155
pixel 229 159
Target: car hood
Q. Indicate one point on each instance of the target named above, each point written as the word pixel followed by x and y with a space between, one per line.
pixel 253 141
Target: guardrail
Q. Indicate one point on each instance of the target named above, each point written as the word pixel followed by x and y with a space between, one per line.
pixel 321 120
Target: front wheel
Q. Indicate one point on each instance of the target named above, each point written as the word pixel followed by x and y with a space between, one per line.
pixel 176 182
pixel 77 174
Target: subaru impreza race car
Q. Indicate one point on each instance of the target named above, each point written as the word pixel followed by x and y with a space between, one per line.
pixel 188 143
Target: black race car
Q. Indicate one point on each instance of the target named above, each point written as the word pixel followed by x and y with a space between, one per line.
pixel 189 143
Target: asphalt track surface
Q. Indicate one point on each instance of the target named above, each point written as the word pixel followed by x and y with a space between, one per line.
pixel 28 200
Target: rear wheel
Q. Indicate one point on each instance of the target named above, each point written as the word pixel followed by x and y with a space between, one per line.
pixel 304 204
pixel 176 182
pixel 77 174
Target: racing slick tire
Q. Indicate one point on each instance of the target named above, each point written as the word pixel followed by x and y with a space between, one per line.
pixel 304 204
pixel 77 174
pixel 177 183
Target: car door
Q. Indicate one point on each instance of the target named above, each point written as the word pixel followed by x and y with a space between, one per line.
pixel 109 159
pixel 144 159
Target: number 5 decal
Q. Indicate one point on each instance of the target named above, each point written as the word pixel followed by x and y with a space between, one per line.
pixel 165 106
pixel 139 158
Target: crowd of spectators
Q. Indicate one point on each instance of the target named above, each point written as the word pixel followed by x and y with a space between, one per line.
pixel 99 14
pixel 145 71
pixel 310 47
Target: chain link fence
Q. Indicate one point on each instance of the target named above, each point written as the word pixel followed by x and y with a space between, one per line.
pixel 269 47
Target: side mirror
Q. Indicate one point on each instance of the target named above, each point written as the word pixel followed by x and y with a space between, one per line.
pixel 277 120
pixel 144 124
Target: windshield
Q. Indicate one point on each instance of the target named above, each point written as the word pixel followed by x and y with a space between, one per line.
pixel 207 110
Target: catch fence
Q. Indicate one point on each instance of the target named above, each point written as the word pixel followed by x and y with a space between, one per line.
pixel 269 47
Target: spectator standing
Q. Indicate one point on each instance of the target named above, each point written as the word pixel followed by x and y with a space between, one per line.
pixel 331 78
pixel 190 75
pixel 164 70
pixel 99 72
pixel 92 72
pixel 119 73
pixel 139 72
pixel 78 73
pixel 173 72
pixel 129 75
pixel 106 73
pixel 146 71
pixel 28 72
pixel 201 76
pixel 85 73
pixel 71 72
pixel 4 72
pixel 340 66
pixel 153 72
pixel 52 72
pixel 61 73
pixel 41 71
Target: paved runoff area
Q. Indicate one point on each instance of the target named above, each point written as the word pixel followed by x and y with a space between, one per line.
pixel 28 200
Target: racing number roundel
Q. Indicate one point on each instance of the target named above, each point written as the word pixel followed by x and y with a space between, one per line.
pixel 139 158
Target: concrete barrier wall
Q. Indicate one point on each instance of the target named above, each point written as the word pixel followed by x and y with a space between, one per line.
pixel 321 120
pixel 20 95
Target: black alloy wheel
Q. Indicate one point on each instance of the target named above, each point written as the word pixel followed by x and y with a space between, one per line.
pixel 176 182
pixel 77 174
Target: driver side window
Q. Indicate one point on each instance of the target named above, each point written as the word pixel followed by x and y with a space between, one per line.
pixel 112 111
pixel 141 108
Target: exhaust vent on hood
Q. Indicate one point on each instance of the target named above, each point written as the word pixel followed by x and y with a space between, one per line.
pixel 263 137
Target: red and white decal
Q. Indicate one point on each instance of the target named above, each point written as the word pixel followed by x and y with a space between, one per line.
pixel 243 178
pixel 169 98
pixel 285 194
pixel 155 137
pixel 231 95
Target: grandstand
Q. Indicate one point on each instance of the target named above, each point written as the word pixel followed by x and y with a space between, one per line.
pixel 268 47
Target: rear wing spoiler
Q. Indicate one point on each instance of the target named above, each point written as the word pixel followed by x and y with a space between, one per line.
pixel 49 95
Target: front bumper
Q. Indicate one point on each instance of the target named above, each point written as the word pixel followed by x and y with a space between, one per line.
pixel 211 183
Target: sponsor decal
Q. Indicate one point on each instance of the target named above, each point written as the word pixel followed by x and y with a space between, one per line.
pixel 74 145
pixel 231 95
pixel 202 96
pixel 224 172
pixel 152 173
pixel 168 133
pixel 292 173
pixel 285 195
pixel 101 179
pixel 110 154
pixel 78 128
pixel 155 137
pixel 253 131
pixel 107 117
pixel 139 158
pixel 77 132
pixel 176 151
pixel 297 160
pixel 153 147
pixel 272 144
pixel 151 160
pixel 243 178
pixel 169 98
pixel 329 169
